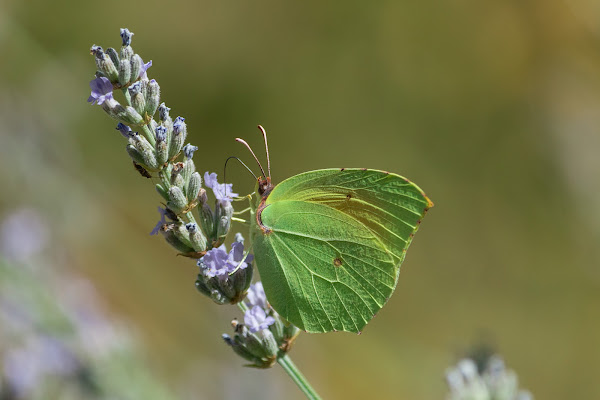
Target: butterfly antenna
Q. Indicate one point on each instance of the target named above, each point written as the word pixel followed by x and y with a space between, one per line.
pixel 266 148
pixel 242 141
pixel 225 169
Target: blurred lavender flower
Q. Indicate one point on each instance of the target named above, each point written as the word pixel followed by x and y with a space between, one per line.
pixel 495 382
pixel 223 191
pixel 22 235
pixel 101 90
pixel 256 296
pixel 256 319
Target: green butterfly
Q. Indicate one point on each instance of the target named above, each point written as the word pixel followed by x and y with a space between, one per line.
pixel 329 243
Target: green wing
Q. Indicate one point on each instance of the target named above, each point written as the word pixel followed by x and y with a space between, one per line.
pixel 337 239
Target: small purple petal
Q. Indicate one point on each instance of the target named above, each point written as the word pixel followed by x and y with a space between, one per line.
pixel 143 74
pixel 101 90
pixel 256 319
pixel 214 262
pixel 161 222
pixel 223 191
pixel 256 295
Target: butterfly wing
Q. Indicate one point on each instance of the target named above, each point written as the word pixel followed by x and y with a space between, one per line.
pixel 335 242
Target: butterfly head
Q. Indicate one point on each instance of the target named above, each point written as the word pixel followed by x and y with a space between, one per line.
pixel 264 186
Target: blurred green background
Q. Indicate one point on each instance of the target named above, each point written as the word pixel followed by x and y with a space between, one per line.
pixel 491 107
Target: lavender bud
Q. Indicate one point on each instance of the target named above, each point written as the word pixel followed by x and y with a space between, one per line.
pixel 105 64
pixel 163 112
pixel 114 56
pixel 207 218
pixel 161 145
pixel 176 175
pixel 242 351
pixel 254 344
pixel 146 150
pixel 131 116
pixel 182 234
pixel 188 150
pixel 152 97
pixel 137 98
pixel 193 188
pixel 173 240
pixel 196 237
pixel 202 287
pixel 270 344
pixel 124 71
pixel 178 137
pixel 123 129
pixel 135 155
pixel 242 278
pixel 126 35
pixel 188 166
pixel 136 66
pixel 224 212
pixel 162 191
pixel 177 201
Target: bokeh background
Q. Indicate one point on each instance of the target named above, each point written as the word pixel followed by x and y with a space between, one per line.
pixel 491 107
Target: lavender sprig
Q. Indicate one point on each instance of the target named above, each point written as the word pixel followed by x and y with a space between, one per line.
pixel 187 221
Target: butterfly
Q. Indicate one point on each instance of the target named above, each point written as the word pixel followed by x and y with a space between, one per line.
pixel 329 243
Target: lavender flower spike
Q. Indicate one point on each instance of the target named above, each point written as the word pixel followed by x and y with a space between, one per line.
pixel 223 191
pixel 101 90
pixel 256 319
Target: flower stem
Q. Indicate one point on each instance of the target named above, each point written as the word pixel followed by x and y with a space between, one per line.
pixel 288 366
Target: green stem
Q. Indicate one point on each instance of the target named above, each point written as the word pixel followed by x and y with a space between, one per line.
pixel 288 366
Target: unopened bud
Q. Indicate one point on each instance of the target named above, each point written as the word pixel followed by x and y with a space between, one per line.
pixel 136 66
pixel 114 56
pixel 196 237
pixel 193 187
pixel 152 97
pixel 124 71
pixel 178 137
pixel 177 201
pixel 146 150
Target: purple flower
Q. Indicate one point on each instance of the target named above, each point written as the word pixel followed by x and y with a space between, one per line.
pixel 101 90
pixel 124 129
pixel 160 223
pixel 256 319
pixel 144 68
pixel 217 262
pixel 214 263
pixel 256 296
pixel 223 191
